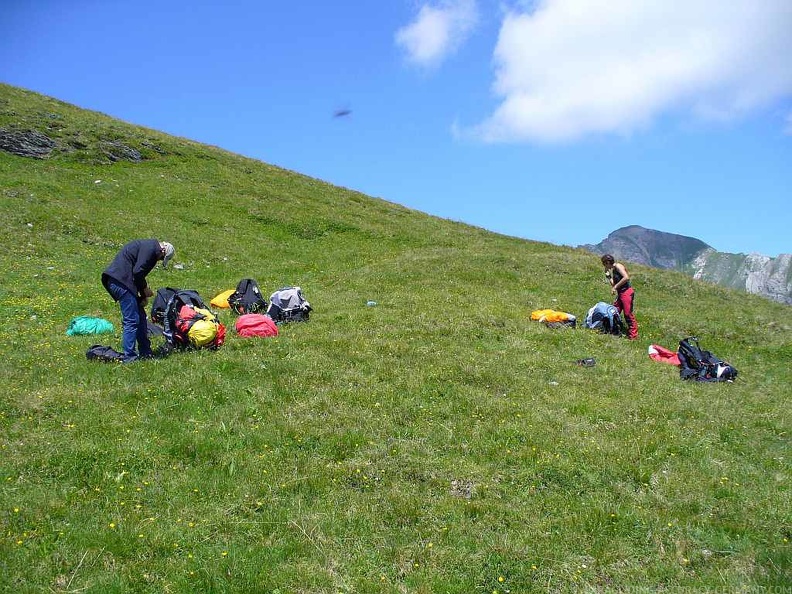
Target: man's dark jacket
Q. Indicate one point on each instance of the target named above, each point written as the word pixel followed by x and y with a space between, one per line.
pixel 131 265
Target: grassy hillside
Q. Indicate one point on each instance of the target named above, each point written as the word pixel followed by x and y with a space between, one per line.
pixel 437 442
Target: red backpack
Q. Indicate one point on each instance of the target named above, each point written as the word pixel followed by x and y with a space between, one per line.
pixel 254 324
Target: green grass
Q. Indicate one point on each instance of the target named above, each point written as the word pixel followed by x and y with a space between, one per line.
pixel 438 442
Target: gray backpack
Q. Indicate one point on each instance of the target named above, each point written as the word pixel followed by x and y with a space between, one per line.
pixel 605 318
pixel 288 305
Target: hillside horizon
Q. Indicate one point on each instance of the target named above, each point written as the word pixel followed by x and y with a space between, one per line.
pixel 32 150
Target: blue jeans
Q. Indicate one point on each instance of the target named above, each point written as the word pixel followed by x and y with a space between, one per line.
pixel 133 323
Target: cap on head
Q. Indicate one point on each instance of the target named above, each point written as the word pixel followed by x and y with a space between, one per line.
pixel 169 251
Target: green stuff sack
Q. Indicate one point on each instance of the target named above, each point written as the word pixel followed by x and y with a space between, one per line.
pixel 84 325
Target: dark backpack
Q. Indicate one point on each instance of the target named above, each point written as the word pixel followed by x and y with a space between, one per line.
pixel 288 305
pixel 160 303
pixel 184 309
pixel 700 365
pixel 247 298
pixel 105 354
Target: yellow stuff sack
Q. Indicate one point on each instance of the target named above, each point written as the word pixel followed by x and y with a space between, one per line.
pixel 550 315
pixel 221 300
pixel 202 333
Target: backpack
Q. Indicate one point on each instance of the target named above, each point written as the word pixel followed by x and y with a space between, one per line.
pixel 605 318
pixel 188 323
pixel 249 325
pixel 105 354
pixel 700 365
pixel 247 298
pixel 288 305
pixel 160 302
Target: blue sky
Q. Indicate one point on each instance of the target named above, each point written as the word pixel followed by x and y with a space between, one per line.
pixel 554 120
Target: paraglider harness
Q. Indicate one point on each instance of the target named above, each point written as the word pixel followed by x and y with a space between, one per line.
pixel 247 298
pixel 700 365
pixel 186 320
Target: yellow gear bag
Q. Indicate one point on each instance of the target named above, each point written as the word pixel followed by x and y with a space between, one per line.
pixel 221 300
pixel 204 331
pixel 550 315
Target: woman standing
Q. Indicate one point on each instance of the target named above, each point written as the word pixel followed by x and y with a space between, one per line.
pixel 625 294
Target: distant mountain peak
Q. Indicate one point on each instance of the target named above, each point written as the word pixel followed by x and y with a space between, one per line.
pixel 754 273
pixel 650 247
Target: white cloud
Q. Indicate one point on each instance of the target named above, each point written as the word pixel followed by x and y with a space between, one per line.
pixel 571 68
pixel 437 31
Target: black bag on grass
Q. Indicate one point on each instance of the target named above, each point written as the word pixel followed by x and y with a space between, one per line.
pixel 700 365
pixel 247 298
pixel 105 354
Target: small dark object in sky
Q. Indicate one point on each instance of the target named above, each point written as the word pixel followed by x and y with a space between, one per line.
pixel 340 113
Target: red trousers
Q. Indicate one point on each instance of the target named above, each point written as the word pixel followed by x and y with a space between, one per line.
pixel 624 303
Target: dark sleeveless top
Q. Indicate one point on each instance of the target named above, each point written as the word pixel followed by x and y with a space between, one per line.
pixel 617 278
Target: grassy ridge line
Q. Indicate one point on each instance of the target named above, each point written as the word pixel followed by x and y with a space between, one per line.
pixel 437 442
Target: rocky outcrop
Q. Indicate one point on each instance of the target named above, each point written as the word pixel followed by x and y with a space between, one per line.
pixel 26 143
pixel 754 273
pixel 116 151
